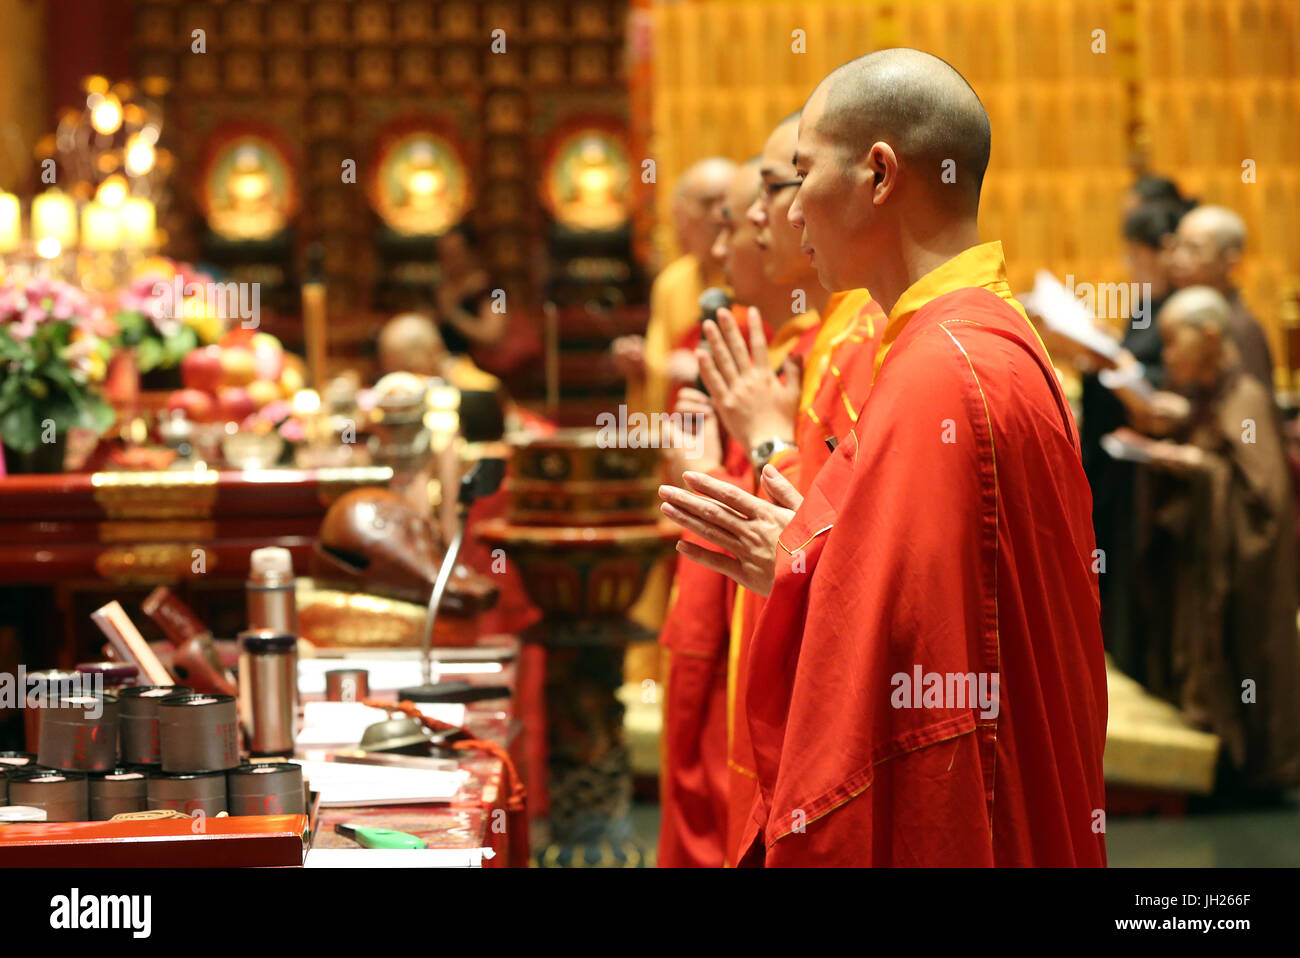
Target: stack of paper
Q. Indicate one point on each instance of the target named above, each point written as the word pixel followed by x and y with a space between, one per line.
pixel 342 783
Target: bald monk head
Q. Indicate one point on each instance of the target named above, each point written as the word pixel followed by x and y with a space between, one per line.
pixel 1195 348
pixel 784 264
pixel 411 343
pixel 892 150
pixel 696 202
pixel 737 248
pixel 1207 247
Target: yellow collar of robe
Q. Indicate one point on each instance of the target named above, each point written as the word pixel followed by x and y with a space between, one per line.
pixel 982 266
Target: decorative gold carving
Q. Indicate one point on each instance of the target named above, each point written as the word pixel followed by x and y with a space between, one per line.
pixel 155 495
pixel 147 531
pixel 150 562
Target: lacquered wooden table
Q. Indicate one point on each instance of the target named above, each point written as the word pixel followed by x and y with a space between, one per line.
pixel 125 532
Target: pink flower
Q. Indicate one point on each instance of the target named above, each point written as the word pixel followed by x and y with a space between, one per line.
pixel 293 430
pixel 22 329
pixel 38 287
pixel 64 303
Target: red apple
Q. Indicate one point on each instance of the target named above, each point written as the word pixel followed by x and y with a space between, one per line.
pixel 197 405
pixel 238 336
pixel 235 404
pixel 201 369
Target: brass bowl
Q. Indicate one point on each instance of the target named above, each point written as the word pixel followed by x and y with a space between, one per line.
pixel 571 478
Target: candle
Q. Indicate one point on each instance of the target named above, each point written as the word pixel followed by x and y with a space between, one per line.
pixel 101 228
pixel 11 233
pixel 313 328
pixel 54 216
pixel 138 222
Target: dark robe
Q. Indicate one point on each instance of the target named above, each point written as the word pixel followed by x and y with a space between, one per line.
pixel 1114 521
pixel 1219 585
pixel 1251 341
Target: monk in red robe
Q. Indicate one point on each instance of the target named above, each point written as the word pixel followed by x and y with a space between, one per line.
pixel 693 772
pixel 766 272
pixel 835 376
pixel 926 683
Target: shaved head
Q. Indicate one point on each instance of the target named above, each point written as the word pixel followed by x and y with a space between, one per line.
pixel 919 105
pixel 1201 307
pixel 1226 228
pixel 708 177
pixel 1195 346
pixel 697 200
pixel 779 241
pixel 891 153
pixel 410 343
pixel 737 246
pixel 1208 244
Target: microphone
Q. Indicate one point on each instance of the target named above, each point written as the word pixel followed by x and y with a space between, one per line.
pixel 711 300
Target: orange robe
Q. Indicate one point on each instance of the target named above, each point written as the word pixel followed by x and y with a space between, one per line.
pixel 836 379
pixel 949 536
pixel 693 773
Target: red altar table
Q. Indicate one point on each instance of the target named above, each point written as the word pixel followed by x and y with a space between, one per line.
pixel 113 532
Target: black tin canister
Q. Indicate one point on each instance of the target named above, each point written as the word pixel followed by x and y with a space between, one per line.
pixel 62 793
pixel 137 710
pixel 188 792
pixel 266 788
pixel 45 687
pixel 80 732
pixel 198 733
pixel 121 790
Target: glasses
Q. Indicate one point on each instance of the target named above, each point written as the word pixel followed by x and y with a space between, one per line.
pixel 770 189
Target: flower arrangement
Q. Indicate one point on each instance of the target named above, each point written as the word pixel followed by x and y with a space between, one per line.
pixel 161 334
pixel 52 355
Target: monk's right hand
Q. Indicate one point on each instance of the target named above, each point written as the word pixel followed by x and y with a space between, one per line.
pixel 745 526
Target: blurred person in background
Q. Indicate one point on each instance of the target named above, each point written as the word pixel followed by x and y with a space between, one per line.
pixel 1207 249
pixel 1217 557
pixel 1148 231
pixel 649 362
pixel 470 316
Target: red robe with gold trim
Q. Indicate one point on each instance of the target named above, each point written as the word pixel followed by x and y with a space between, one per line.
pixel 693 773
pixel 949 537
pixel 837 376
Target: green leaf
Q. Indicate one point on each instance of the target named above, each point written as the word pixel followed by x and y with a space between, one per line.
pixel 20 428
pixel 97 415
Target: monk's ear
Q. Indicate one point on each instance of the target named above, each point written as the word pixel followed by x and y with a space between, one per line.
pixel 881 165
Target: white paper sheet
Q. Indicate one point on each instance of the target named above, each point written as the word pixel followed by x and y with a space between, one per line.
pixel 397 858
pixel 1066 316
pixel 343 783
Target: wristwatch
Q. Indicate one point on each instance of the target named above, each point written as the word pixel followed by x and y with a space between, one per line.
pixel 762 453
